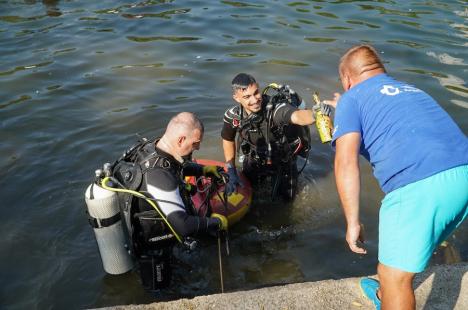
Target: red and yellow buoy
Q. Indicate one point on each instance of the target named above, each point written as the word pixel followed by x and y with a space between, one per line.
pixel 237 205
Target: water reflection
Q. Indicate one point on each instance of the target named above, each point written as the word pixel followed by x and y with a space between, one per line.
pixel 405 22
pixel 14 101
pixel 320 40
pixel 248 41
pixel 386 11
pixel 52 7
pixel 326 14
pixel 451 82
pixel 78 81
pixel 287 24
pixel 358 22
pixel 242 55
pixel 284 62
pixel 162 38
pixel 241 4
pixel 307 21
pixel 26 67
pixel 446 58
pixel 165 14
pixel 407 43
pixel 248 16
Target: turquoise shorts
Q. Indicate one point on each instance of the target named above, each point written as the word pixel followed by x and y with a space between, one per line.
pixel 416 218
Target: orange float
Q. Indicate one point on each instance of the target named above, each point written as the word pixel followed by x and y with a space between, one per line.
pixel 210 197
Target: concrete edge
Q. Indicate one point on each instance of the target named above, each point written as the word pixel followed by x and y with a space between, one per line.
pixel 440 287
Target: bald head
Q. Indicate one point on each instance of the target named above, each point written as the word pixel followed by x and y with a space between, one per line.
pixel 183 135
pixel 360 63
pixel 183 124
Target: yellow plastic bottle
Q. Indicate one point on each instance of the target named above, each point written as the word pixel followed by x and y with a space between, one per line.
pixel 322 122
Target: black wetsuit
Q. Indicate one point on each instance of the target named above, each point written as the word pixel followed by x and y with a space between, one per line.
pixel 163 180
pixel 252 142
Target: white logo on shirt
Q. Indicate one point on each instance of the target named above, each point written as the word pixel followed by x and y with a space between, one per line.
pixel 334 130
pixel 392 91
pixel 389 90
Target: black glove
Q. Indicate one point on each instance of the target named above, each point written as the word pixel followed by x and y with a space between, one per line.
pixel 233 182
pixel 326 109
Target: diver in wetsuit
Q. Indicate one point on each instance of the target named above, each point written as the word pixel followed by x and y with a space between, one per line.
pixel 164 164
pixel 270 136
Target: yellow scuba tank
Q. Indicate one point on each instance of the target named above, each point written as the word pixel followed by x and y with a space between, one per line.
pixel 322 122
pixel 104 217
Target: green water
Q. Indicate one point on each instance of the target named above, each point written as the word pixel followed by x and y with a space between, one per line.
pixel 79 79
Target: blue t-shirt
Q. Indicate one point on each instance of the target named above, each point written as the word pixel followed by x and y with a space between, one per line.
pixel 405 134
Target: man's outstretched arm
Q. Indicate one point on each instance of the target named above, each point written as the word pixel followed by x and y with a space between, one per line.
pixel 302 117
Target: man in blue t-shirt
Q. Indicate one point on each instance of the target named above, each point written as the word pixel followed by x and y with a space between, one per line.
pixel 420 158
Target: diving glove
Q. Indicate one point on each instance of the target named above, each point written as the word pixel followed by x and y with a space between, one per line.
pixel 212 171
pixel 223 222
pixel 326 109
pixel 234 180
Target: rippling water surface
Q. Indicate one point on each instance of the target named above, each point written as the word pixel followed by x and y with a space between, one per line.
pixel 80 78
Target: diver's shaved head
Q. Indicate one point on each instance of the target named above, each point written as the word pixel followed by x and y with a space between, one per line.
pixel 183 135
pixel 184 123
pixel 360 60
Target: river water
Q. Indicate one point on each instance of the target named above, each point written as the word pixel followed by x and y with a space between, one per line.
pixel 79 80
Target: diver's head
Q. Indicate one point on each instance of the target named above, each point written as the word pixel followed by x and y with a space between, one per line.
pixel 245 91
pixel 183 135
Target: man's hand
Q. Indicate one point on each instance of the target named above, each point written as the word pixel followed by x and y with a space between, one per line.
pixel 212 171
pixel 322 107
pixel 233 182
pixel 334 101
pixel 223 222
pixel 326 109
pixel 355 233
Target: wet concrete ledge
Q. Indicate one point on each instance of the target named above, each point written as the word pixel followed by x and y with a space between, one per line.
pixel 440 287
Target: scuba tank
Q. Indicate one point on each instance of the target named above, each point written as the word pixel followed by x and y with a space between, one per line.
pixel 126 235
pixel 104 216
pixel 322 121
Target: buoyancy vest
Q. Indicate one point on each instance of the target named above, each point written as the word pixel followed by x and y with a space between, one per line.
pixel 142 221
pixel 142 157
pixel 256 130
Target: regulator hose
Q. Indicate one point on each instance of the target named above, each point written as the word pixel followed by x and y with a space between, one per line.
pixel 212 188
pixel 142 196
pixel 269 108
